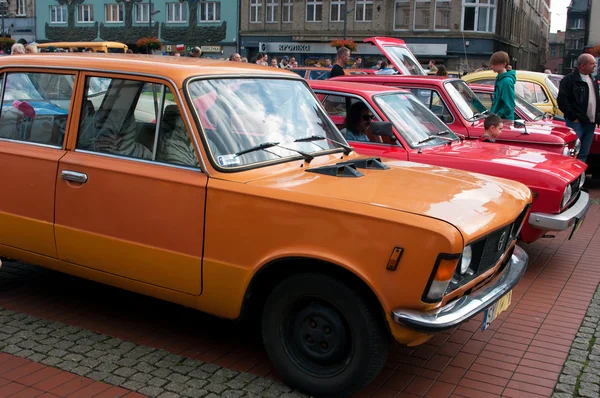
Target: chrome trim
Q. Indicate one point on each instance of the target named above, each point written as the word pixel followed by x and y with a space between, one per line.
pixel 74 176
pixel 120 72
pixel 31 143
pixel 564 220
pixel 156 163
pixel 466 307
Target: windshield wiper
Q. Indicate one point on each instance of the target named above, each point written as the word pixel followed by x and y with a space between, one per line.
pixel 478 114
pixel 347 148
pixel 433 137
pixel 266 145
pixel 444 132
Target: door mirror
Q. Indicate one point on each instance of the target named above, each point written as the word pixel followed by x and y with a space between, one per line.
pixel 519 124
pixel 383 129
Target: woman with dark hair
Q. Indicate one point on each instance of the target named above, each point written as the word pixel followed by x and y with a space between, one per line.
pixel 357 123
pixel 442 71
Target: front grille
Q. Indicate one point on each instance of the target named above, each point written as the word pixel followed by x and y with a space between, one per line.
pixel 574 190
pixel 493 248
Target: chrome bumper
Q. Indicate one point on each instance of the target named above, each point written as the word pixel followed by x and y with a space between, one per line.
pixel 466 307
pixel 564 220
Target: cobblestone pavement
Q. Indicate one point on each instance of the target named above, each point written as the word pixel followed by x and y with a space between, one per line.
pixel 162 349
pixel 581 372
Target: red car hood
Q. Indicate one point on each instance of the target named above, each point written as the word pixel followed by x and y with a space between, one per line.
pixel 547 134
pixel 506 161
pixel 383 42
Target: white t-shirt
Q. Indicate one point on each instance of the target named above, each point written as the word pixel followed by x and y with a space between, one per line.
pixel 591 110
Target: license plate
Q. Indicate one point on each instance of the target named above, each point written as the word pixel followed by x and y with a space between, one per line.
pixel 496 309
pixel 578 225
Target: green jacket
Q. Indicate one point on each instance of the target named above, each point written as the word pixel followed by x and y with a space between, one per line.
pixel 504 95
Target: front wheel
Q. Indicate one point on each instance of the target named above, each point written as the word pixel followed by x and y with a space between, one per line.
pixel 322 336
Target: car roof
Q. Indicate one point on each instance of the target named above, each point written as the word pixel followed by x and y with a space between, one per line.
pixel 353 88
pixel 177 69
pixel 520 74
pixel 402 78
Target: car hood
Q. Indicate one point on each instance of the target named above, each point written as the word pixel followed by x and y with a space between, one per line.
pixel 529 166
pixel 473 203
pixel 548 134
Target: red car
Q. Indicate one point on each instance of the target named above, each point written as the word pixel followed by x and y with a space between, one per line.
pixel 456 105
pixel 415 134
pixel 530 113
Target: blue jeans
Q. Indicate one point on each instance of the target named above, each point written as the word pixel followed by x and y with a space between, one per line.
pixel 585 132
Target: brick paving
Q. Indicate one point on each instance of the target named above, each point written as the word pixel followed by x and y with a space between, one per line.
pixel 102 340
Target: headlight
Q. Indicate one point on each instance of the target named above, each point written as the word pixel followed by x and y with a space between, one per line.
pixel 466 258
pixel 566 151
pixel 581 180
pixel 566 196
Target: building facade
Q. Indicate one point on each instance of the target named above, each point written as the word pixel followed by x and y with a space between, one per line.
pixel 211 25
pixel 462 34
pixel 577 32
pixel 556 52
pixel 594 31
pixel 18 20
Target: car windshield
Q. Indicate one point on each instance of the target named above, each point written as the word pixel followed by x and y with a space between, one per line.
pixel 238 115
pixel 530 110
pixel 465 100
pixel 405 60
pixel 413 120
pixel 552 87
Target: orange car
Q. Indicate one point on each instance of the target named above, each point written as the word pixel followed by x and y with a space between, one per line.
pixel 225 187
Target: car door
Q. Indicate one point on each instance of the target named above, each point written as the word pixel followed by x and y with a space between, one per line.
pixel 130 195
pixel 36 105
pixel 337 104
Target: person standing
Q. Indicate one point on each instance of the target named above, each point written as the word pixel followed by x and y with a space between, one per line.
pixel 343 55
pixel 504 88
pixel 579 100
pixel 235 57
pixel 432 67
pixel 194 52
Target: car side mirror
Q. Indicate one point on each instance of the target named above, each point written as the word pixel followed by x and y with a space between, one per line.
pixel 519 124
pixel 383 129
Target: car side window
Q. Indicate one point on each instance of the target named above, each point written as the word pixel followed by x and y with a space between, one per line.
pixel 526 90
pixel 540 95
pixel 319 75
pixel 489 82
pixel 124 118
pixel 433 101
pixel 35 107
pixel 487 99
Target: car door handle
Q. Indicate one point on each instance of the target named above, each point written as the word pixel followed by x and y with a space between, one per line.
pixel 74 176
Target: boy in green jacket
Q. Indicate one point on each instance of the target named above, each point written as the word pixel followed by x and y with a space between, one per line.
pixel 504 88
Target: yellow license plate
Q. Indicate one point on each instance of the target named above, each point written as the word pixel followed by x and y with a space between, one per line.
pixel 496 309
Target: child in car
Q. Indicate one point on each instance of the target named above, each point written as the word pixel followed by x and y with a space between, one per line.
pixel 493 128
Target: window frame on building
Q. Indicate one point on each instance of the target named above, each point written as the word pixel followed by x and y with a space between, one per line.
pixel 491 7
pixel 183 12
pixel 148 11
pixel 435 16
pixel 203 6
pixel 315 4
pixel 340 6
pixel 63 14
pixel 407 3
pixel 21 8
pixel 256 11
pixel 271 11
pixel 416 8
pixel 80 13
pixel 578 23
pixel 287 5
pixel 365 5
pixel 110 8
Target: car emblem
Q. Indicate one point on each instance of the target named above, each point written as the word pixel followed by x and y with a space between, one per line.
pixel 502 240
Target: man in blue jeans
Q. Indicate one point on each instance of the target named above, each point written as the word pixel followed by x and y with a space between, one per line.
pixel 579 100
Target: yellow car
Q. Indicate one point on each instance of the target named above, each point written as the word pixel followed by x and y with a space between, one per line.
pixel 535 87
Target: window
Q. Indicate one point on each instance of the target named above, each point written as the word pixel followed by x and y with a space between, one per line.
pixel 553 51
pixel 402 15
pixel 433 101
pixel 314 10
pixel 119 117
pixel 364 11
pixel 578 24
pixel 176 12
pixel 255 11
pixel 540 94
pixel 272 11
pixel 142 15
pixel 487 99
pixel 442 14
pixel 114 13
pixel 287 11
pixel 526 90
pixel 21 11
pixel 35 107
pixel 338 10
pixel 479 16
pixel 422 15
pixel 210 11
pixel 85 13
pixel 58 14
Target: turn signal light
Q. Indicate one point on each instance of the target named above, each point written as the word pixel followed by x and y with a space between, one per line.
pixel 443 273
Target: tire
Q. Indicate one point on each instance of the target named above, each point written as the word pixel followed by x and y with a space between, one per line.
pixel 323 338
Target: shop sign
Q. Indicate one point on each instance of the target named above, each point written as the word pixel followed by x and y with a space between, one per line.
pixel 211 49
